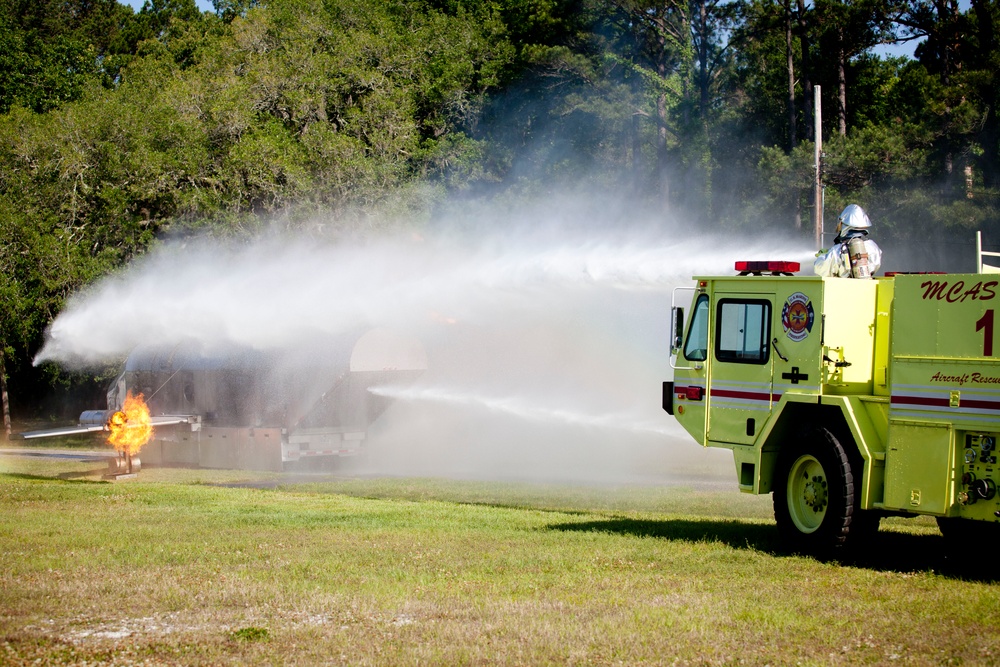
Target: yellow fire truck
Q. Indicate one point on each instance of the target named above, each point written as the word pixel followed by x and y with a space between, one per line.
pixel 849 400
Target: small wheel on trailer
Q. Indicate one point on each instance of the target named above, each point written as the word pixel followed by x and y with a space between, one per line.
pixel 814 496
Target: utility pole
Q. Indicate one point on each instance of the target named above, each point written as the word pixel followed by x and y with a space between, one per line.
pixel 817 156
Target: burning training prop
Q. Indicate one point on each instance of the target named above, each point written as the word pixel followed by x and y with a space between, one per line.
pixel 130 428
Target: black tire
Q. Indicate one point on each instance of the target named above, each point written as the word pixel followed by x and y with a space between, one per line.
pixel 814 496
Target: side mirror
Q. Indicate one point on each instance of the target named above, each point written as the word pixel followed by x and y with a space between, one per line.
pixel 676 328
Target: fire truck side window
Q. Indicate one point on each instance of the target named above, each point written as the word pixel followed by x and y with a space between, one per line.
pixel 696 346
pixel 743 330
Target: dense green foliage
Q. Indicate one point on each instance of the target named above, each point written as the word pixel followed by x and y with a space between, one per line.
pixel 119 128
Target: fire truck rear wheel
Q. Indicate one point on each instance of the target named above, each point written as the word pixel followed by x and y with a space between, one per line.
pixel 814 494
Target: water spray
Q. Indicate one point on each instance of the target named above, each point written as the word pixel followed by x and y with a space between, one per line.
pixel 519 407
pixel 555 344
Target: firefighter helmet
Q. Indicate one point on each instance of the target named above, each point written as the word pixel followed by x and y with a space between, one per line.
pixel 854 217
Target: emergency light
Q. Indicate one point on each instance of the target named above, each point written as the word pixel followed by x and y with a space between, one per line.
pixel 775 267
pixel 690 393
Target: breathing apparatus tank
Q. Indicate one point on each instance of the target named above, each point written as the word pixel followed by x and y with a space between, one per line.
pixel 858 255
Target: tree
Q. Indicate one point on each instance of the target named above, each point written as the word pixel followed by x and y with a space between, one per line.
pixel 297 108
pixel 848 30
pixel 659 44
pixel 50 49
pixel 766 78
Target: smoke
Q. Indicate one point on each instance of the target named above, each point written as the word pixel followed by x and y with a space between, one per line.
pixel 547 345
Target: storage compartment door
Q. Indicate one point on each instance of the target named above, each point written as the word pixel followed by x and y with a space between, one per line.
pixel 920 467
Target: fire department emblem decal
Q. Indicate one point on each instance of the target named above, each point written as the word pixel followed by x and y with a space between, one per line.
pixel 797 316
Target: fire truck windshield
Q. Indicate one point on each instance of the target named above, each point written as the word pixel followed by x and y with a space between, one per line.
pixel 696 346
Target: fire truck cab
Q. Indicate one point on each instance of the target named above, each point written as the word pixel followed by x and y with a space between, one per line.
pixel 846 399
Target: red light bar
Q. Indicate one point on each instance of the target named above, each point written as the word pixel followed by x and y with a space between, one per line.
pixel 770 265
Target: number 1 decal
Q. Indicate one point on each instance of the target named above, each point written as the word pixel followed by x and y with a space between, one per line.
pixel 985 324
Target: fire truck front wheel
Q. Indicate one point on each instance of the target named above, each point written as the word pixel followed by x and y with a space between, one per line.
pixel 814 493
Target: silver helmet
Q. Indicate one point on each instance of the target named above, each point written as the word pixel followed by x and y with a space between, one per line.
pixel 853 217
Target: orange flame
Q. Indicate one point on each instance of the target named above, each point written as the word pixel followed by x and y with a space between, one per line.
pixel 130 427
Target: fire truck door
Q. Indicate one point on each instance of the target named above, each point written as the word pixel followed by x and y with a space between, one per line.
pixel 740 381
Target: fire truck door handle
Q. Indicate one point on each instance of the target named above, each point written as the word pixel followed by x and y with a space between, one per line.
pixel 774 343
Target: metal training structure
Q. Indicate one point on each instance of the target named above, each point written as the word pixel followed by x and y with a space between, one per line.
pixel 241 408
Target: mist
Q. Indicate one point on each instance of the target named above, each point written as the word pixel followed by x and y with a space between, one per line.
pixel 546 344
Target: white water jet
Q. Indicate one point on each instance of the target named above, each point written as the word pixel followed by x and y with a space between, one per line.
pixel 519 407
pixel 274 293
pixel 546 355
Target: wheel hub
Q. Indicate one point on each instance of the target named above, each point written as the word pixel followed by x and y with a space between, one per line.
pixel 814 493
pixel 807 494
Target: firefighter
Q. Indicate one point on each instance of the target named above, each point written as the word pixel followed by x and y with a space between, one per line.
pixel 853 254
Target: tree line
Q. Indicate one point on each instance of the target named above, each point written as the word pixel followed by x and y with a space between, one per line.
pixel 119 128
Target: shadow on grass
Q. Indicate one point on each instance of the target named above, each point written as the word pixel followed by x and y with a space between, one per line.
pixel 75 476
pixel 313 486
pixel 736 534
pixel 62 477
pixel 885 552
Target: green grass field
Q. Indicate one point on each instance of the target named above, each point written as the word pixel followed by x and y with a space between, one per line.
pixel 195 567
